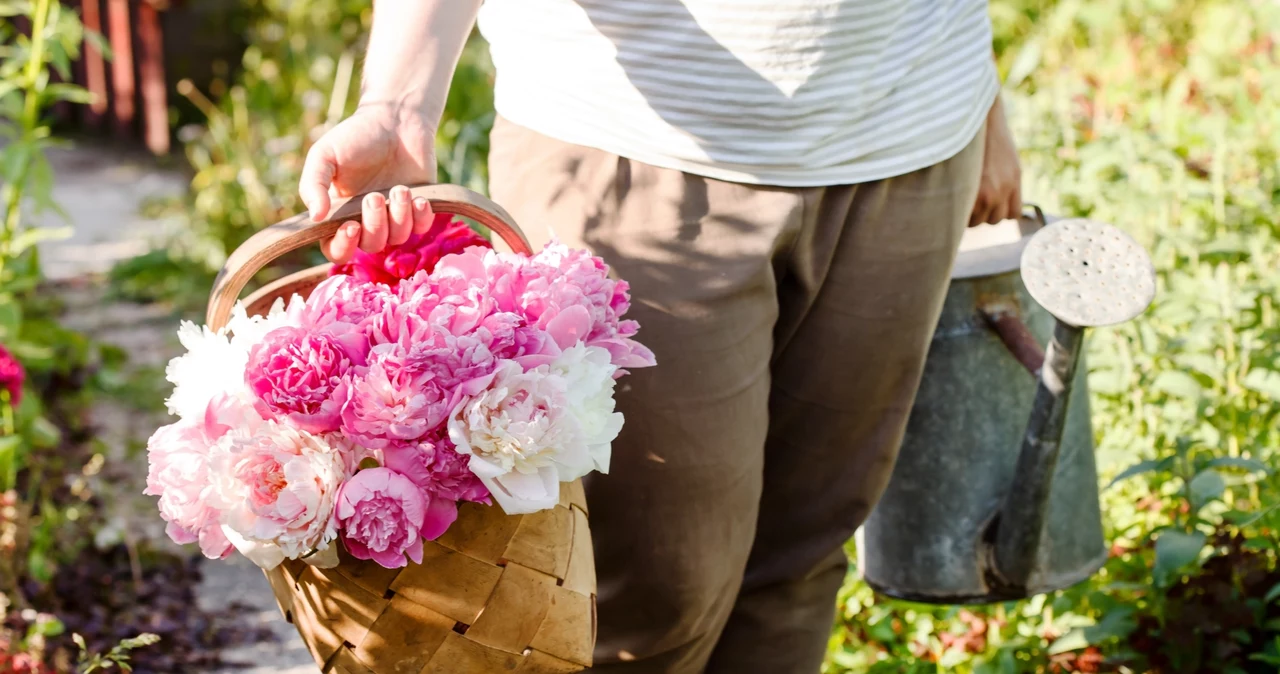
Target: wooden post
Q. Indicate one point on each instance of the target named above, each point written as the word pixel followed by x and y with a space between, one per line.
pixel 121 65
pixel 155 112
pixel 95 71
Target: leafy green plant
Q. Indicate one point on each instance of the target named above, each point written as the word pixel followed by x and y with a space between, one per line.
pixel 25 93
pixel 116 658
pixel 50 373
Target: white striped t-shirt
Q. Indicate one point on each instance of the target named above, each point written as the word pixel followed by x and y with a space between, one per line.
pixel 776 92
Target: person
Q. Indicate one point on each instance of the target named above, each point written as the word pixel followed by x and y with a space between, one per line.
pixel 784 185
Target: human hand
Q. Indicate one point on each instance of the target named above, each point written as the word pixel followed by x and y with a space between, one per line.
pixel 1000 192
pixel 375 148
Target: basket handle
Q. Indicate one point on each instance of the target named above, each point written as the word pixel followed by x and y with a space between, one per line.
pixel 298 231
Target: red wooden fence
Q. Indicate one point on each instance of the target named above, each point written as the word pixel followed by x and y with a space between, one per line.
pixel 129 92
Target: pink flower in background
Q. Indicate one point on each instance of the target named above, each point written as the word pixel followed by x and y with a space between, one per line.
pixel 276 486
pixel 382 515
pixel 11 376
pixel 179 473
pixel 420 253
pixel 294 373
pixel 435 465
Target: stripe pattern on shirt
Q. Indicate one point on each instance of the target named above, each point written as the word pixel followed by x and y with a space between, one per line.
pixel 779 92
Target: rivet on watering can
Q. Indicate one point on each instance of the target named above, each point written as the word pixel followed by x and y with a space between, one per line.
pixel 1086 274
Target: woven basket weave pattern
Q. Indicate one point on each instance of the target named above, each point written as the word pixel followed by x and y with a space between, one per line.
pixel 496 593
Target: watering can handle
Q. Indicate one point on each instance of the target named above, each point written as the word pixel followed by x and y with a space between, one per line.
pixel 300 230
pixel 1003 319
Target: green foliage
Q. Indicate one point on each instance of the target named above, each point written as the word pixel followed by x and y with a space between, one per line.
pixel 42 439
pixel 116 658
pixel 1158 116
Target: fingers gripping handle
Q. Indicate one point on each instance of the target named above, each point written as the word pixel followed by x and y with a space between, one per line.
pixel 299 231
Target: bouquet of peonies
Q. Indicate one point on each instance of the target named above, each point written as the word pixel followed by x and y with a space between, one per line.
pixel 436 372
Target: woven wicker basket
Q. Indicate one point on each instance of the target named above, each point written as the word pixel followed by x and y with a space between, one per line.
pixel 496 593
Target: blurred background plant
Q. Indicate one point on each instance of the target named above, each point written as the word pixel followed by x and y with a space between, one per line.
pixel 48 371
pixel 1160 116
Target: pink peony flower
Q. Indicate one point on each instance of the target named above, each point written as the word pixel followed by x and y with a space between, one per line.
pixel 179 473
pixel 397 399
pixel 566 292
pixel 420 253
pixel 572 279
pixel 294 373
pixel 11 376
pixel 344 299
pixel 383 515
pixel 276 486
pixel 435 465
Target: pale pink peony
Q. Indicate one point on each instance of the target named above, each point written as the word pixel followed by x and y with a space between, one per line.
pixel 420 252
pixel 566 292
pixel 343 299
pixel 383 515
pixel 179 473
pixel 276 486
pixel 457 302
pixel 294 373
pixel 435 465
pixel 570 278
pixel 397 399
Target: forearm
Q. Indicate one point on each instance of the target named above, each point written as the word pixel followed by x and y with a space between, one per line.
pixel 414 48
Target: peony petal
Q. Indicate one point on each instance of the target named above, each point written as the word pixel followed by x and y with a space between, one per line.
pixel 179 534
pixel 265 555
pixel 520 494
pixel 440 515
pixel 414 551
pixel 570 326
pixel 323 559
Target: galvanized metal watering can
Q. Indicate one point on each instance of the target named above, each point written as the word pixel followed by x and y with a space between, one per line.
pixel 995 493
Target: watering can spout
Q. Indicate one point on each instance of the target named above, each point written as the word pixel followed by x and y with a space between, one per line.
pixel 1020 522
pixel 1085 274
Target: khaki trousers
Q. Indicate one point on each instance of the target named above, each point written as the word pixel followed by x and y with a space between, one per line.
pixel 790 328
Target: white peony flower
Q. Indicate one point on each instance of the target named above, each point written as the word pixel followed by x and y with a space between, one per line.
pixel 526 432
pixel 215 362
pixel 210 366
pixel 588 374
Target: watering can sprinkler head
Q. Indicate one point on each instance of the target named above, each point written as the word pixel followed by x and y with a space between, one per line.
pixel 1086 274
